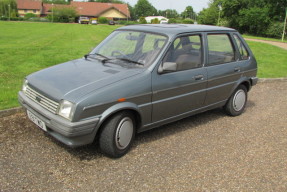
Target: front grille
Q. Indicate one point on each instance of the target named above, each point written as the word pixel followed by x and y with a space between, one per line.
pixel 45 102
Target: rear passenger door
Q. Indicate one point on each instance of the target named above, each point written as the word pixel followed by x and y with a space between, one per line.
pixel 223 68
pixel 179 92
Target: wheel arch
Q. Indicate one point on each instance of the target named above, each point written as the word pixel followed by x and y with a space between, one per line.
pixel 124 106
pixel 243 81
pixel 247 84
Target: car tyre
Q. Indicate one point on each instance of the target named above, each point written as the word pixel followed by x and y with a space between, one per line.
pixel 117 134
pixel 237 101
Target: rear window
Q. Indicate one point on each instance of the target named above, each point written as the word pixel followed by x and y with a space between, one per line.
pixel 220 49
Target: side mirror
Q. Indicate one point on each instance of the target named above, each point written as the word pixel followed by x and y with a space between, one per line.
pixel 167 67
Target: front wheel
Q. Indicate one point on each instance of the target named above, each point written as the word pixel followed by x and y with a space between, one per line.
pixel 117 134
pixel 237 101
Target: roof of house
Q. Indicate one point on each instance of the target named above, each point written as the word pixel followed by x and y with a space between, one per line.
pixel 29 4
pixel 96 9
pixel 47 8
pixel 83 8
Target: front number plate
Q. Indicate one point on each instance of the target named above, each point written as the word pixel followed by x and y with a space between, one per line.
pixel 36 120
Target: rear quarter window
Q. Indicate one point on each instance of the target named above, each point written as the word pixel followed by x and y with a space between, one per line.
pixel 244 55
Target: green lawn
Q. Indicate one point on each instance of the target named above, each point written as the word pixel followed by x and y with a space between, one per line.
pixel 29 47
pixel 272 60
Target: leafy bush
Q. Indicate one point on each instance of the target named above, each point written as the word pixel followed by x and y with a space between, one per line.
pixel 12 18
pixel 17 19
pixel 29 15
pixel 124 22
pixel 64 15
pixel 179 20
pixel 223 22
pixel 172 20
pixel 4 18
pixel 103 20
pixel 188 21
pixel 142 20
pixel 275 30
pixel 155 21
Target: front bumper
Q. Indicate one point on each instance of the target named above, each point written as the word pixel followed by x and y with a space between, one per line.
pixel 73 134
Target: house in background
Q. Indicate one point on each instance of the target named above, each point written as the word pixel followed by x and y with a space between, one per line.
pixel 160 18
pixel 29 6
pixel 112 11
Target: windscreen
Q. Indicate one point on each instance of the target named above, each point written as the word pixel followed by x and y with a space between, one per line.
pixel 135 46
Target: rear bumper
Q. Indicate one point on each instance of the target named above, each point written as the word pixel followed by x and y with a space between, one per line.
pixel 254 81
pixel 73 134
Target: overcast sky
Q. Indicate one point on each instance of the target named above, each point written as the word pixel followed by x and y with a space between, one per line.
pixel 178 5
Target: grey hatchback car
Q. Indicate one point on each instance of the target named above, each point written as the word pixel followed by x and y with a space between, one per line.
pixel 140 77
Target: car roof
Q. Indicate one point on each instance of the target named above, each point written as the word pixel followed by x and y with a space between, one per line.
pixel 173 29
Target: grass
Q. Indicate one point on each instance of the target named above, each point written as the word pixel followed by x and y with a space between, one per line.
pixel 29 47
pixel 265 38
pixel 272 60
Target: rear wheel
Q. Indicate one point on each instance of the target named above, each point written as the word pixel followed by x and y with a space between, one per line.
pixel 237 101
pixel 117 134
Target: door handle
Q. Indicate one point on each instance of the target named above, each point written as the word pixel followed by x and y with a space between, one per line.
pixel 198 77
pixel 237 69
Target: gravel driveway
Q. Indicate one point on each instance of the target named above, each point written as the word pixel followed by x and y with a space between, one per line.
pixel 275 43
pixel 206 152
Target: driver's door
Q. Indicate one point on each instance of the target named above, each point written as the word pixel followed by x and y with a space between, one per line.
pixel 181 91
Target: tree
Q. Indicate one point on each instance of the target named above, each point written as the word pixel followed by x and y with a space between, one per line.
pixel 143 8
pixel 132 12
pixel 56 1
pixel 209 15
pixel 4 8
pixel 108 1
pixel 168 13
pixel 254 20
pixel 67 14
pixel 188 12
pixel 258 17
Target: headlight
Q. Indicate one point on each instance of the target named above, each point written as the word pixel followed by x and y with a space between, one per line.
pixel 25 85
pixel 66 109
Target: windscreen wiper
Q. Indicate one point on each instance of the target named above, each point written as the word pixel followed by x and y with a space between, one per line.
pixel 105 57
pixel 129 60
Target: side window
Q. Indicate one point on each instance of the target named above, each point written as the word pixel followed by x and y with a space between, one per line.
pixel 186 51
pixel 242 49
pixel 220 49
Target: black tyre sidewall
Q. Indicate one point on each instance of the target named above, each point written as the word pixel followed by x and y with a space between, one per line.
pixel 107 139
pixel 229 109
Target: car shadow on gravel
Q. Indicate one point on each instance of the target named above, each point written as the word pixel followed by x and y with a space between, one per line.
pixel 87 152
pixel 91 152
pixel 191 122
pixel 176 127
